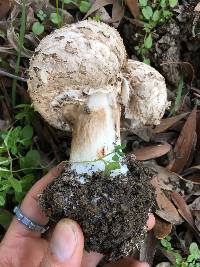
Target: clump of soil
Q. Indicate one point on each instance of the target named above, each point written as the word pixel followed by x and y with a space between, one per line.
pixel 112 211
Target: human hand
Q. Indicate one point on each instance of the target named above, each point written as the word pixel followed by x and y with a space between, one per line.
pixel 22 247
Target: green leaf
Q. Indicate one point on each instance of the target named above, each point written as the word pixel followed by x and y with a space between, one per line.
pixel 178 257
pixel 6 138
pixel 16 184
pixel 190 258
pixel 173 3
pixel 4 161
pixel 115 158
pixel 4 170
pixel 14 150
pixel 167 14
pixel 112 166
pixel 4 185
pixel 27 181
pixel 194 250
pixel 37 29
pixel 143 2
pixel 163 3
pixel 55 18
pixel 16 132
pixel 5 217
pixel 156 16
pixel 147 12
pixel 20 116
pixel 2 149
pixel 28 106
pixel 148 41
pixel 168 238
pixel 41 15
pixel 146 61
pixel 120 147
pixel 33 158
pixel 2 200
pixel 27 132
pixel 84 6
pixel 166 244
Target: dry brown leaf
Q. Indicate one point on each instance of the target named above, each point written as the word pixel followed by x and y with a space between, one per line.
pixel 168 254
pixel 195 205
pixel 13 39
pixel 148 248
pixel 192 169
pixel 197 224
pixel 168 180
pixel 184 144
pixel 186 68
pixel 194 178
pixel 97 5
pixel 188 71
pixel 183 208
pixel 117 12
pixel 151 152
pixel 3 125
pixel 134 7
pixel 167 210
pixel 162 228
pixel 192 174
pixel 169 122
pixel 5 6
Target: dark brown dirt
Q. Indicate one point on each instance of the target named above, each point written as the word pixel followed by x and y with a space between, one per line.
pixel 112 211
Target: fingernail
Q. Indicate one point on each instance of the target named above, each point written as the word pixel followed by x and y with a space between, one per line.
pixel 64 240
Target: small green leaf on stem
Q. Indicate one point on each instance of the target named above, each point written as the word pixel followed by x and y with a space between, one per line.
pixel 84 6
pixel 147 12
pixel 15 184
pixel 143 2
pixel 148 41
pixel 41 15
pixel 55 18
pixel 115 158
pixel 2 200
pixel 173 3
pixel 37 28
pixel 156 15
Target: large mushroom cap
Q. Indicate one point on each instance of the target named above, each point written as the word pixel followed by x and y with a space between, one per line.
pixel 72 62
pixel 144 93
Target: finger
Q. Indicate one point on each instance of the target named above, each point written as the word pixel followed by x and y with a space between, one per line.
pixel 151 222
pixel 30 206
pixel 66 246
pixel 91 259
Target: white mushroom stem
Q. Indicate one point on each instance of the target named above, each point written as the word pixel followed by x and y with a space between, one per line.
pixel 96 132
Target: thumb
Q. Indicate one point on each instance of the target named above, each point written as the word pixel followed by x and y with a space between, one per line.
pixel 66 246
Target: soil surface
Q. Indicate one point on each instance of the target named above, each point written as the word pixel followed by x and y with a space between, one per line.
pixel 112 211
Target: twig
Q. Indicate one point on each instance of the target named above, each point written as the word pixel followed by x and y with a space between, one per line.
pixel 7 74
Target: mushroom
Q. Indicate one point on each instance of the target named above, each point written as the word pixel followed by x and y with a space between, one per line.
pixel 74 80
pixel 80 78
pixel 144 94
